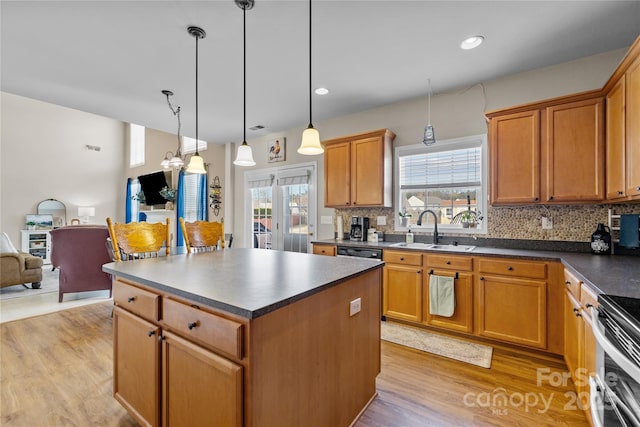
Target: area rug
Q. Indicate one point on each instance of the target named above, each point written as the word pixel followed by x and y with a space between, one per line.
pixel 49 285
pixel 463 351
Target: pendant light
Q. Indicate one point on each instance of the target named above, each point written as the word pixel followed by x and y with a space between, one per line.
pixel 196 164
pixel 310 144
pixel 429 137
pixel 244 156
pixel 173 160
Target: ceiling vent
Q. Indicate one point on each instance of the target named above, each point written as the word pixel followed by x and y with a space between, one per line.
pixel 256 127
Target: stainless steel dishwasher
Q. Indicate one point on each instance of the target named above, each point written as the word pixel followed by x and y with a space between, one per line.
pixel 360 252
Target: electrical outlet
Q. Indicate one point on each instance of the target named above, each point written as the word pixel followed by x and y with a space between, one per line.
pixel 355 306
pixel 381 220
pixel 547 223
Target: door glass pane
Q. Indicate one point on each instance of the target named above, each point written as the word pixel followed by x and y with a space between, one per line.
pixel 295 201
pixel 261 203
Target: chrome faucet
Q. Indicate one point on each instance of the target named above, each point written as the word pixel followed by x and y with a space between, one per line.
pixel 435 224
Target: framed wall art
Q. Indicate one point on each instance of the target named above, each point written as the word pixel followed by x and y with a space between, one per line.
pixel 276 150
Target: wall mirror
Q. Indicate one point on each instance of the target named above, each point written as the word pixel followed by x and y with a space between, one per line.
pixel 55 208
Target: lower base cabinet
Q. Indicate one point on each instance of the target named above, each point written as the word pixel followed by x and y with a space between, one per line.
pixel 402 285
pixel 199 388
pixel 136 379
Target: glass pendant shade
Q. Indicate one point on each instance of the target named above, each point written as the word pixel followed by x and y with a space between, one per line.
pixel 196 165
pixel 175 162
pixel 244 156
pixel 310 144
pixel 166 163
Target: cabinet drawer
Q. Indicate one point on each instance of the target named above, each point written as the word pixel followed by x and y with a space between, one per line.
pixel 452 262
pixel 209 329
pixel 136 300
pixel 324 250
pixel 530 269
pixel 402 257
pixel 572 283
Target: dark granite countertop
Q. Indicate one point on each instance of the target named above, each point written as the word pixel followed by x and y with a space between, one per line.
pixel 608 274
pixel 246 282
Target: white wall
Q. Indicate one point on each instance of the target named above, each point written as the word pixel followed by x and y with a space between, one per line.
pixel 453 114
pixel 43 155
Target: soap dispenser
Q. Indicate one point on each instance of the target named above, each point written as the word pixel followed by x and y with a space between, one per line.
pixel 409 237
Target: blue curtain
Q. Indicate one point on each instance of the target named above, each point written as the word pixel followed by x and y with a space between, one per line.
pixel 180 206
pixel 202 206
pixel 129 203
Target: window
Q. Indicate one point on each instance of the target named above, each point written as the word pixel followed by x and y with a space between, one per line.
pixel 189 145
pixel 448 178
pixel 136 145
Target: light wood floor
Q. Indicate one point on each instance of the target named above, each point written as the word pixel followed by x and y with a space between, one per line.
pixel 56 370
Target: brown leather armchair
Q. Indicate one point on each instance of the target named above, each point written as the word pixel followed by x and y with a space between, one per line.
pixel 79 252
pixel 19 268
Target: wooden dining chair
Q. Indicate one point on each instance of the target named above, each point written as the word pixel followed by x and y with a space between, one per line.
pixel 138 240
pixel 202 236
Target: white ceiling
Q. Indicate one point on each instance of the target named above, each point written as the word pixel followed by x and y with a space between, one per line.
pixel 113 58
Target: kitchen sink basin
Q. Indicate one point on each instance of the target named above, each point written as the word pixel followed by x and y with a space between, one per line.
pixel 431 246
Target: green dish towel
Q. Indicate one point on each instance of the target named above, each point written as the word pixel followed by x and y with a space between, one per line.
pixel 629 230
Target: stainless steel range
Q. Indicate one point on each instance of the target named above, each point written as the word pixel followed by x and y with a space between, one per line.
pixel 615 390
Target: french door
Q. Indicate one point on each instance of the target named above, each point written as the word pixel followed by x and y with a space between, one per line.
pixel 281 208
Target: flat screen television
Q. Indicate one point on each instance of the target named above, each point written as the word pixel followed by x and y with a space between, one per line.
pixel 151 184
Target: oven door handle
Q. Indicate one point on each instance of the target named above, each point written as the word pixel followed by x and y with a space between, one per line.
pixel 612 351
pixel 596 400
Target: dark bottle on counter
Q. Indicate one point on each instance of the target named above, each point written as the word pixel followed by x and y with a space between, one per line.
pixel 601 240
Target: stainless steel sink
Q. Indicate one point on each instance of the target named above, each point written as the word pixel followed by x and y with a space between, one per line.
pixel 431 246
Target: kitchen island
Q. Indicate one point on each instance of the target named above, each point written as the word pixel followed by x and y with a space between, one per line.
pixel 246 337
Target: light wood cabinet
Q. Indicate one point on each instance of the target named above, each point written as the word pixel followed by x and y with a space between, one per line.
pixel 550 152
pixel 511 302
pixel 514 148
pixel 177 382
pixel 198 387
pixel 623 128
pixel 632 137
pixel 461 269
pixel 402 285
pixel 615 142
pixel 328 250
pixel 579 341
pixel 136 378
pixel 575 151
pixel 357 170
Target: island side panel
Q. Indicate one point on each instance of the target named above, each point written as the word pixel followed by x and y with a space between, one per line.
pixel 312 363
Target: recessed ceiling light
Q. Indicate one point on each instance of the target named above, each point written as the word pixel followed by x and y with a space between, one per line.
pixel 321 91
pixel 471 42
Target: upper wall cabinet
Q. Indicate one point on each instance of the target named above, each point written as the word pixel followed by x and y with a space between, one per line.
pixel 623 129
pixel 551 152
pixel 357 170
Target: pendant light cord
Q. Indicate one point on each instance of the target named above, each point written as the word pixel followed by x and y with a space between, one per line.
pixel 197 37
pixel 244 74
pixel 310 83
pixel 429 103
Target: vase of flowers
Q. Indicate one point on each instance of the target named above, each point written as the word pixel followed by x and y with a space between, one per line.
pixel 170 195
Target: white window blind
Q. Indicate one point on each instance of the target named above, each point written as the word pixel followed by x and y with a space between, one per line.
pixel 136 145
pixel 444 169
pixel 191 196
pixel 260 181
pixel 294 177
pixel 189 145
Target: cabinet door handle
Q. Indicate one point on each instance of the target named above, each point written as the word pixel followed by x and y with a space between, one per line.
pixel 535 199
pixel 567 282
pixel 131 299
pixel 192 325
pixel 637 188
pixel 161 338
pixel 510 268
pixel 550 197
pixel 151 333
pixel 577 312
pixel 448 262
pixel 481 277
pixel 401 258
pixel 620 193
pixel 589 305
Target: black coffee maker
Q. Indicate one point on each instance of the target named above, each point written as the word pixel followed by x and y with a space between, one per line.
pixel 359 227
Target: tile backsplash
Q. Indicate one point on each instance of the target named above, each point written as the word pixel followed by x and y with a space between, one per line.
pixel 573 223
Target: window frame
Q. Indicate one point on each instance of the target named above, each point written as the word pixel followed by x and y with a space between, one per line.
pixel 445 145
pixel 137 145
